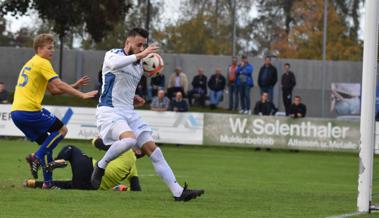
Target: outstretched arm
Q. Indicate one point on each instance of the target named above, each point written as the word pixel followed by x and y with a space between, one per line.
pixel 57 87
pixel 114 61
pixel 83 81
pixel 80 82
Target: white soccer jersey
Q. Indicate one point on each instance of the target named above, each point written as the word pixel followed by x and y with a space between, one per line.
pixel 121 75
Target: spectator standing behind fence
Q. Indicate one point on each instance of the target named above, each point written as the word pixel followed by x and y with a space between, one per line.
pixel 264 106
pixel 216 85
pixel 232 85
pixel 297 109
pixel 199 84
pixel 160 102
pixel 245 83
pixel 288 82
pixel 178 104
pixel 157 83
pixel 267 78
pixel 4 94
pixel 178 82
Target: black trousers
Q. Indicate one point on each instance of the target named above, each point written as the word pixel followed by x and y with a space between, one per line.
pixel 81 167
pixel 287 99
pixel 200 96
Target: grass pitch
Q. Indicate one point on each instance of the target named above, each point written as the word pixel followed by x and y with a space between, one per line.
pixel 238 183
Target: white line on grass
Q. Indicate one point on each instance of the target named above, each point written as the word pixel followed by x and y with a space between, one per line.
pixel 346 215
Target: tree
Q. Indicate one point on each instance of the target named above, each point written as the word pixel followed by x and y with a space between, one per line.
pixel 5 36
pixel 295 30
pixel 96 17
pixel 305 38
pixel 136 16
pixel 205 27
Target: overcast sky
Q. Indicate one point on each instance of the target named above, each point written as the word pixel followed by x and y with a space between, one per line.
pixel 171 14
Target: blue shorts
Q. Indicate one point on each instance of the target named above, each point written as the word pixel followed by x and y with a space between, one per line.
pixel 36 124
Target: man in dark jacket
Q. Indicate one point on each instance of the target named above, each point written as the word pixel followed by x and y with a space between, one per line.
pixel 288 82
pixel 157 83
pixel 178 104
pixel 297 109
pixel 199 84
pixel 142 87
pixel 267 78
pixel 216 85
pixel 264 107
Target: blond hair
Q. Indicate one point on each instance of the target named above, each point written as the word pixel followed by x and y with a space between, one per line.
pixel 41 40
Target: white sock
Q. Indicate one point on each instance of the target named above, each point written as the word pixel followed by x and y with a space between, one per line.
pixel 164 171
pixel 116 150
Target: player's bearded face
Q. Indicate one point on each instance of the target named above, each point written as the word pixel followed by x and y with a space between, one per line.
pixel 137 44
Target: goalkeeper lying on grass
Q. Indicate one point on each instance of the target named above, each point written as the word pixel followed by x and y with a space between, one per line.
pixel 124 167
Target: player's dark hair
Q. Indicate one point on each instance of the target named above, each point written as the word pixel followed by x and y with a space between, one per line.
pixel 297 97
pixel 137 32
pixel 2 83
pixel 287 64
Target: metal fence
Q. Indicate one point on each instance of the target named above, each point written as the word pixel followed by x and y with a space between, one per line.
pixel 308 72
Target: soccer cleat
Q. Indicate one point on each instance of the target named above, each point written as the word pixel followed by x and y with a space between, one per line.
pixel 96 176
pixel 189 194
pixel 49 186
pixel 34 164
pixel 120 188
pixel 99 144
pixel 29 183
pixel 56 164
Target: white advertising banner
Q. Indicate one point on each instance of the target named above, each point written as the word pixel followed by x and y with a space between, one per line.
pixel 281 132
pixel 168 127
pixel 218 129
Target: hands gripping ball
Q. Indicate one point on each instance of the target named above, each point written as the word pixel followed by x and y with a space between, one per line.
pixel 152 64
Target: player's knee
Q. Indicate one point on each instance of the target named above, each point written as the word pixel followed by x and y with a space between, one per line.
pixel 125 144
pixel 130 141
pixel 156 155
pixel 149 147
pixel 63 131
pixel 65 153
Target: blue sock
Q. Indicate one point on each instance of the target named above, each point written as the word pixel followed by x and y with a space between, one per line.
pixel 47 149
pixel 54 136
pixel 47 175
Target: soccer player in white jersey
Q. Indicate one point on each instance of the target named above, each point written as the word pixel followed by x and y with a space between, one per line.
pixel 117 121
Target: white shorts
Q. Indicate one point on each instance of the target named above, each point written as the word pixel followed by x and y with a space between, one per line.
pixel 112 122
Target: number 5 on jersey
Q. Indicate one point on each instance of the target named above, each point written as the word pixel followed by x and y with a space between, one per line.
pixel 23 74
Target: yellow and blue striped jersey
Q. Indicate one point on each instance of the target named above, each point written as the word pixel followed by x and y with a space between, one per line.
pixel 32 83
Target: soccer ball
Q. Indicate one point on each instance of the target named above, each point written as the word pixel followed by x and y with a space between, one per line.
pixel 152 64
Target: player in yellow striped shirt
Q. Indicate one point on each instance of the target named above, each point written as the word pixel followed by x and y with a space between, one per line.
pixel 37 123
